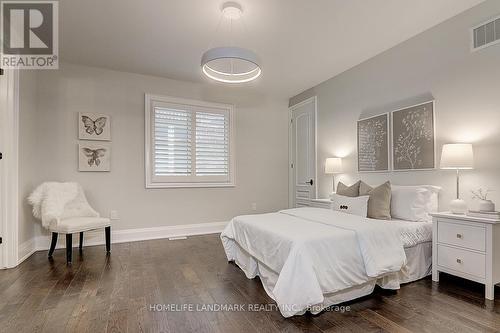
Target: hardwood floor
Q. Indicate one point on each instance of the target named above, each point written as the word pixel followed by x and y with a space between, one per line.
pixel 99 293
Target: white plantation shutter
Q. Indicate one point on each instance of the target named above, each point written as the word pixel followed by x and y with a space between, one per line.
pixel 172 142
pixel 212 144
pixel 188 143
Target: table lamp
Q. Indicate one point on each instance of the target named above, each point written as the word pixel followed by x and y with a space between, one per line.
pixel 457 156
pixel 333 165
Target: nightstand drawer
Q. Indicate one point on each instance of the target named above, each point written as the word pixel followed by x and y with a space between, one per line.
pixel 462 235
pixel 462 260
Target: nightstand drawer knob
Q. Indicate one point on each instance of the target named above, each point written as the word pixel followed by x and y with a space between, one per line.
pixel 459 261
pixel 459 236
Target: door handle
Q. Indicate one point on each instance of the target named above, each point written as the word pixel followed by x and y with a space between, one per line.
pixel 310 182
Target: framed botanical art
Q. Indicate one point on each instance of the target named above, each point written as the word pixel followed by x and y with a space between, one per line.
pixel 94 126
pixel 373 144
pixel 413 137
pixel 94 156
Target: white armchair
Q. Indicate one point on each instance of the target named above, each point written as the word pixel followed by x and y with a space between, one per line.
pixel 63 209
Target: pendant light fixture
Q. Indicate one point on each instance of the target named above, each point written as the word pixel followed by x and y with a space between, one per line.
pixel 231 64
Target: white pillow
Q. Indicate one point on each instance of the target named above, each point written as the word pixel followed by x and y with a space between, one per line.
pixel 434 199
pixel 414 203
pixel 351 205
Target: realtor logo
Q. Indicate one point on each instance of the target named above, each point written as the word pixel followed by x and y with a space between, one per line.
pixel 29 32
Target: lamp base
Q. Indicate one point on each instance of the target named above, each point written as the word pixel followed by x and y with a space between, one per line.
pixel 458 206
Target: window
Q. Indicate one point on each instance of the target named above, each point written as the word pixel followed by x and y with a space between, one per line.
pixel 188 143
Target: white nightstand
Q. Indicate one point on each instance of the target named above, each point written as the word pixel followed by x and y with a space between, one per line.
pixel 468 247
pixel 321 203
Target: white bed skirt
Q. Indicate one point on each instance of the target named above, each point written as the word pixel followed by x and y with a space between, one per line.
pixel 419 261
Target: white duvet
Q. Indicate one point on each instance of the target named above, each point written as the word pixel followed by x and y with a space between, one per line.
pixel 317 251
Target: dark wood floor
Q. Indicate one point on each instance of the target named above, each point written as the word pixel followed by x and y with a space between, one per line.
pixel 99 293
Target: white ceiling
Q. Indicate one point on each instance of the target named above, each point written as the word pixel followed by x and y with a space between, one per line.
pixel 301 42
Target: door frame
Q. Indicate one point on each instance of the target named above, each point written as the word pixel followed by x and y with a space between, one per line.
pixel 290 145
pixel 10 169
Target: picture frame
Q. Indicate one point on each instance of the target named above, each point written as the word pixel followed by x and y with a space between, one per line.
pixel 94 126
pixel 94 156
pixel 373 144
pixel 413 137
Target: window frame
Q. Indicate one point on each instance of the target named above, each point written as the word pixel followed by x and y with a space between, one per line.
pixel 192 181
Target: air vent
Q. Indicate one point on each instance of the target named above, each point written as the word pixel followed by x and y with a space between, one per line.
pixel 486 34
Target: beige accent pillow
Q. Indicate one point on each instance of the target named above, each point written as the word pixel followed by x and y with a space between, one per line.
pixel 379 204
pixel 348 191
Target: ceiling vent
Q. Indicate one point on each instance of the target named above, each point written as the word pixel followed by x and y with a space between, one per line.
pixel 486 34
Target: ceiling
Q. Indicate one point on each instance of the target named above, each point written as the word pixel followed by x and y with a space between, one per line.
pixel 301 42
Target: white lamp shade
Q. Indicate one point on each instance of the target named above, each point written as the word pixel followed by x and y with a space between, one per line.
pixel 333 165
pixel 457 156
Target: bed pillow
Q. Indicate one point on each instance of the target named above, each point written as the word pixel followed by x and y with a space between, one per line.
pixel 434 198
pixel 414 203
pixel 351 205
pixel 348 191
pixel 379 203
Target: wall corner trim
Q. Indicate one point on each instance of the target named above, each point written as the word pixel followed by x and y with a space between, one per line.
pixel 26 249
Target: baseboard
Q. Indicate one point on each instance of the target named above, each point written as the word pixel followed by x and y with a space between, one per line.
pixel 96 237
pixel 26 249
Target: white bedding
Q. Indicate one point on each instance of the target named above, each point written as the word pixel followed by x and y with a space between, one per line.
pixel 315 252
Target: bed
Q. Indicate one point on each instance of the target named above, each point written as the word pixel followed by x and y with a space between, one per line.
pixel 311 258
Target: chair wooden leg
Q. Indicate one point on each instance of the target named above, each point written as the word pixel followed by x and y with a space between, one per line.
pixel 53 244
pixel 69 247
pixel 108 239
pixel 81 241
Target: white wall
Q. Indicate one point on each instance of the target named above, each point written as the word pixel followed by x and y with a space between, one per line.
pixel 27 158
pixel 437 63
pixel 261 147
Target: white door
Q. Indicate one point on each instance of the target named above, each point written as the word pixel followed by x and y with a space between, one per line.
pixel 3 99
pixel 8 167
pixel 302 153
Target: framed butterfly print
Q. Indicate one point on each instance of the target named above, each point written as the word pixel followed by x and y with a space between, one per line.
pixel 94 126
pixel 94 156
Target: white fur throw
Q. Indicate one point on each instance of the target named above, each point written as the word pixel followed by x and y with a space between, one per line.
pixel 54 201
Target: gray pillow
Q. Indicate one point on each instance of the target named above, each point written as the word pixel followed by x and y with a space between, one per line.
pixel 348 191
pixel 379 203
